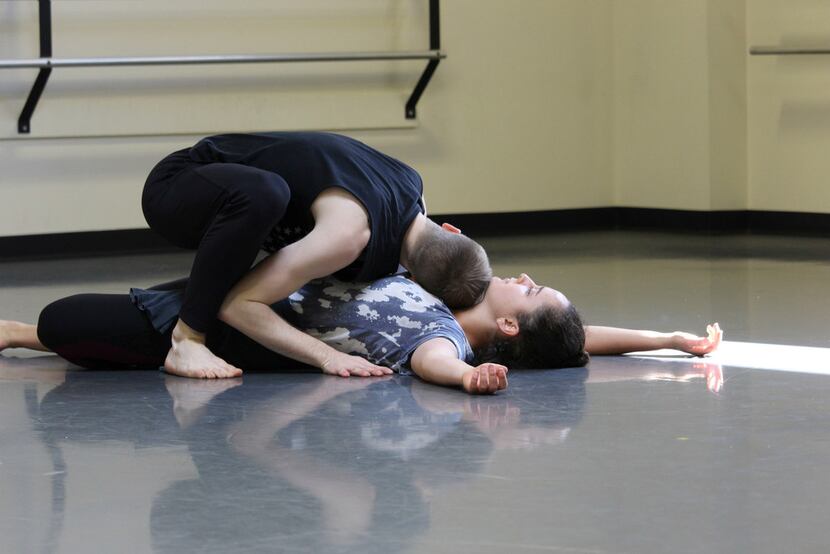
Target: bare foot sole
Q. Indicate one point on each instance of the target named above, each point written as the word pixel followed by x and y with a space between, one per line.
pixel 192 359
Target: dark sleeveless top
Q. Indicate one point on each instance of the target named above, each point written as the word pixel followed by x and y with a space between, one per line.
pixel 312 162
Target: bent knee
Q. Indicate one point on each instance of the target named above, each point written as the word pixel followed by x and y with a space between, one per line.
pixel 52 322
pixel 264 196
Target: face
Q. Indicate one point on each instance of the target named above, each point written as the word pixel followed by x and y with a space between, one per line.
pixel 516 295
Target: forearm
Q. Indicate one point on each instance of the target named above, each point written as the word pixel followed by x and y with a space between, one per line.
pixel 259 322
pixel 448 372
pixel 614 340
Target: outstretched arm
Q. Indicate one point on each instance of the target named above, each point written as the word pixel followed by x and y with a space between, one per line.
pixel 613 340
pixel 436 361
pixel 340 234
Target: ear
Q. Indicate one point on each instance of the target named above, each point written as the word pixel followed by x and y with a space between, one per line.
pixel 451 228
pixel 508 326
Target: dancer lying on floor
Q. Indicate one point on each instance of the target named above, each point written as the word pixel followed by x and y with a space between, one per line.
pixel 392 322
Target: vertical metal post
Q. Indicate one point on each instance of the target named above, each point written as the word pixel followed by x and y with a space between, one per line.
pixel 434 44
pixel 45 16
pixel 434 26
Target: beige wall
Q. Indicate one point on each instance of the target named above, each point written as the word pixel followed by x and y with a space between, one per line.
pixel 517 117
pixel 679 104
pixel 559 104
pixel 789 108
pixel 728 120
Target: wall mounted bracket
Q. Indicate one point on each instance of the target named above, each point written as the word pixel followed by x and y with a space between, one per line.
pixel 45 63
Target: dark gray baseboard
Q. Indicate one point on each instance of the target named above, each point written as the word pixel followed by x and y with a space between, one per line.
pixel 104 243
pixel 816 224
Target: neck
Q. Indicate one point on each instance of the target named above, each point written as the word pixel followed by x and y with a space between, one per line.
pixel 478 324
pixel 411 238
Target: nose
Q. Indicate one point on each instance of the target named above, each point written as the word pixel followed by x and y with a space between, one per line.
pixel 525 279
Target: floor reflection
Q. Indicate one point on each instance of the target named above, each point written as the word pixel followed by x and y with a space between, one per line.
pixel 320 463
pixel 670 367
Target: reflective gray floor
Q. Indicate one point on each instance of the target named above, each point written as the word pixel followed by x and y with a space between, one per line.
pixel 632 454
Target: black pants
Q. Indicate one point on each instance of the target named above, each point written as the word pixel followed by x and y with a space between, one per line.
pixel 107 331
pixel 224 212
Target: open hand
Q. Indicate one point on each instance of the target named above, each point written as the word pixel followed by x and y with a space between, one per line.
pixel 345 365
pixel 485 379
pixel 699 346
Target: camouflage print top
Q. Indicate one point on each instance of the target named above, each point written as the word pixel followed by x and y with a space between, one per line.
pixel 383 321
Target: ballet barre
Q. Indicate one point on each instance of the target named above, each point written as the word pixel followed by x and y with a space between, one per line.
pixel 789 50
pixel 45 63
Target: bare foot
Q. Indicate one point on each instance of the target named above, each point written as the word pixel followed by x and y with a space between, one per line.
pixel 5 334
pixel 16 334
pixel 189 358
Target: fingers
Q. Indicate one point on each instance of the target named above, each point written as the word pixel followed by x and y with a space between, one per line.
pixel 501 374
pixel 370 370
pixel 346 365
pixel 472 387
pixel 710 343
pixel 378 371
pixel 488 378
pixel 492 379
pixel 451 228
pixel 718 335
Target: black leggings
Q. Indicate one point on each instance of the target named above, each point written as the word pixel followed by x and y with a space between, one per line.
pixel 101 331
pixel 224 212
pixel 107 331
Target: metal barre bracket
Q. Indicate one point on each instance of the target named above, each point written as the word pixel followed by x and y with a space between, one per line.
pixel 46 63
pixel 788 51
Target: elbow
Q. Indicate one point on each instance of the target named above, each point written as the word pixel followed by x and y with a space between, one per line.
pixel 351 246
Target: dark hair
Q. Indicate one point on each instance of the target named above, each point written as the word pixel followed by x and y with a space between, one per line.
pixel 451 266
pixel 549 338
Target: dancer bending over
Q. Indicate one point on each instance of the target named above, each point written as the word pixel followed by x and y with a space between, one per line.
pixel 392 322
pixel 321 204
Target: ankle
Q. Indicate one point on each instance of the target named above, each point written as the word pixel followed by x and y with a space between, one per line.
pixel 14 334
pixel 183 332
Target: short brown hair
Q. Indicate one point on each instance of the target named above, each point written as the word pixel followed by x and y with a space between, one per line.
pixel 451 266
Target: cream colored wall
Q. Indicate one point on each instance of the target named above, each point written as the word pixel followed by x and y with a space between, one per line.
pixel 660 104
pixel 679 104
pixel 699 124
pixel 789 108
pixel 728 117
pixel 517 118
pixel 559 104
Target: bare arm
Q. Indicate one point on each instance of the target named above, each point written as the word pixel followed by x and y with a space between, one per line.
pixel 340 234
pixel 436 361
pixel 614 340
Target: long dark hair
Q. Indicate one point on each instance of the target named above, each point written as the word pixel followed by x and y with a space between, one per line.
pixel 549 338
